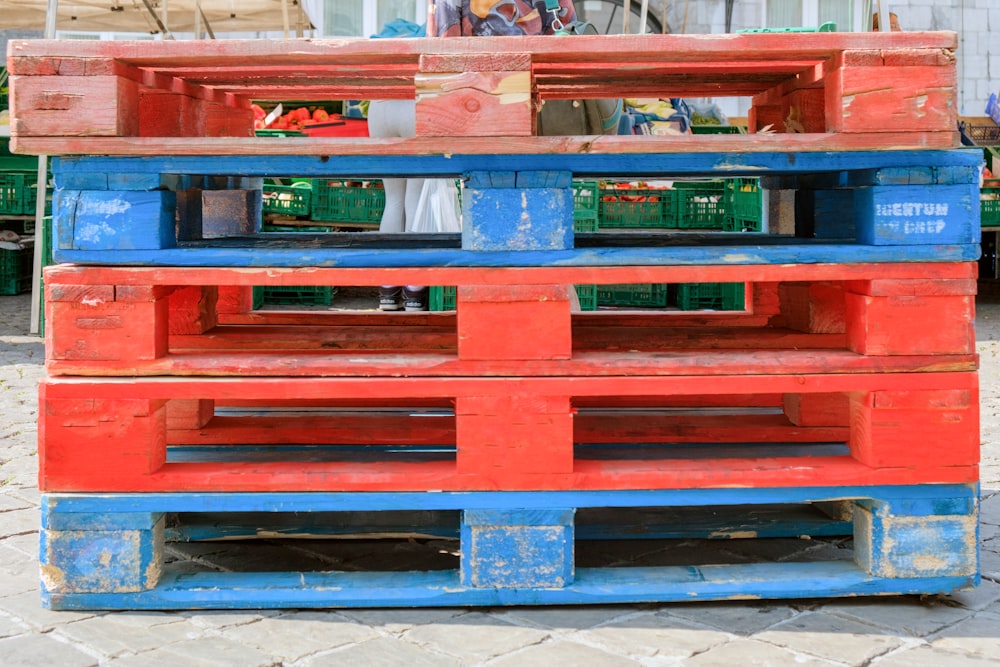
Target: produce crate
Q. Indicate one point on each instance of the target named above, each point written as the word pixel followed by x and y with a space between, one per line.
pixel 710 296
pixel 314 295
pixel 15 269
pixel 983 135
pixel 701 204
pixel 989 207
pixel 17 192
pixel 585 204
pixel 444 298
pixel 637 208
pixel 287 200
pixel 335 201
pixel 441 298
pixel 650 295
pixel 744 205
pixel 587 294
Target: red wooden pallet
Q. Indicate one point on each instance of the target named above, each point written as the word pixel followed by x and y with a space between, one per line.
pixel 806 319
pixel 820 91
pixel 105 434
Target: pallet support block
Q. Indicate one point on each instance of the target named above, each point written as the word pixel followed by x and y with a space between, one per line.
pixel 113 554
pixel 904 317
pixel 512 439
pixel 817 409
pixel 919 214
pixel 494 97
pixel 189 413
pixel 96 105
pixel 813 307
pixel 193 309
pixel 115 324
pixel 904 91
pixel 920 538
pixel 127 434
pixel 524 548
pixel 906 429
pixel 514 322
pixel 517 211
pixel 114 220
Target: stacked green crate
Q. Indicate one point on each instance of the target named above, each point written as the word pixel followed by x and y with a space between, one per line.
pixel 744 206
pixel 585 205
pixel 989 207
pixel 288 200
pixel 308 295
pixel 15 269
pixel 641 295
pixel 710 296
pixel 637 208
pixel 701 204
pixel 349 203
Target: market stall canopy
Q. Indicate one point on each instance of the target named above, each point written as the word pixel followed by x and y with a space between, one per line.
pixel 177 16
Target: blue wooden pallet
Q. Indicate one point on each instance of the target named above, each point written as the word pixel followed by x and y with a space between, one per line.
pixel 106 551
pixel 891 206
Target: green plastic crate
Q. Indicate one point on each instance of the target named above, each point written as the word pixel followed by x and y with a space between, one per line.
pixel 701 204
pixel 649 295
pixel 637 208
pixel 287 200
pixel 744 205
pixel 445 298
pixel 442 298
pixel 17 192
pixel 710 296
pixel 335 202
pixel 989 207
pixel 587 294
pixel 585 203
pixel 15 270
pixel 311 295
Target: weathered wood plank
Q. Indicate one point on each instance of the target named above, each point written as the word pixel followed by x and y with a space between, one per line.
pixel 514 548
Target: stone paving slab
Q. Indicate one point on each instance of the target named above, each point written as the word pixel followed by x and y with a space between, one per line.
pixel 916 631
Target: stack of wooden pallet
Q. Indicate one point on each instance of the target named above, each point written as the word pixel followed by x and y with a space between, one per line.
pixel 849 379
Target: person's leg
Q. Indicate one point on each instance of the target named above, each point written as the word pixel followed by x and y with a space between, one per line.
pixel 384 121
pixel 394 216
pixel 414 186
pixel 393 118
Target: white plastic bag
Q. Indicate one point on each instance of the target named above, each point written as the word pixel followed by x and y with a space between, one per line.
pixel 438 208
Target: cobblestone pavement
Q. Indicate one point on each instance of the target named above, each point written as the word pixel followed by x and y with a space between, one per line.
pixel 937 631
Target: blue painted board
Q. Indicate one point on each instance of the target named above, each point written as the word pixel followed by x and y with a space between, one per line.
pixel 579 164
pixel 311 255
pixel 114 219
pixel 917 214
pixel 89 504
pixel 443 589
pixel 516 219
